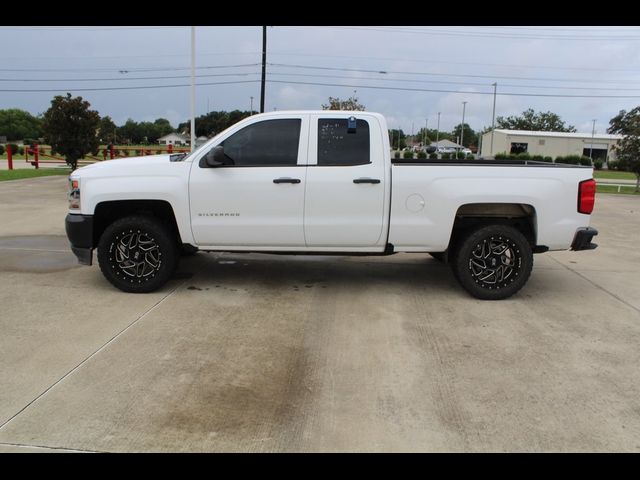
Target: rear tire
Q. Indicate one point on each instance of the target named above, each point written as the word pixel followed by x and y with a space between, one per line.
pixel 439 256
pixel 137 254
pixel 494 262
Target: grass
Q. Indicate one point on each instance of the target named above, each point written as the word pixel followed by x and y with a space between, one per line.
pixel 627 190
pixel 613 174
pixel 31 173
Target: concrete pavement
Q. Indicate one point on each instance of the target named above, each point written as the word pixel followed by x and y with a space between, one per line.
pixel 255 352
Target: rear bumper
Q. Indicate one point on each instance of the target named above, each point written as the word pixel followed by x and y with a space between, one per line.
pixel 80 234
pixel 582 240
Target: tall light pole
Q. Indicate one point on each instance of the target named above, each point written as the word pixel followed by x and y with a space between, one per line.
pixel 264 67
pixel 424 139
pixel 193 88
pixel 464 105
pixel 251 107
pixel 593 134
pixel 493 117
pixel 438 133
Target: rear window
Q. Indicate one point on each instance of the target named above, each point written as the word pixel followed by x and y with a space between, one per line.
pixel 339 145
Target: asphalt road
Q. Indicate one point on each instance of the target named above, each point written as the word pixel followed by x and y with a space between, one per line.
pixel 254 352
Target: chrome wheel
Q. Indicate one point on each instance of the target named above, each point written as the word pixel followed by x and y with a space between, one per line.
pixel 495 262
pixel 135 256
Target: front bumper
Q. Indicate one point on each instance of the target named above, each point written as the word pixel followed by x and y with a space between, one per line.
pixel 80 234
pixel 582 240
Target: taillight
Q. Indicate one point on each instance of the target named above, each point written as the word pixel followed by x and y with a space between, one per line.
pixel 586 196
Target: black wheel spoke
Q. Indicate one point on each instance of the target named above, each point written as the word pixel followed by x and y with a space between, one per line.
pixel 493 261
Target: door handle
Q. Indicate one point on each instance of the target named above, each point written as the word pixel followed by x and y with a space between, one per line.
pixel 286 180
pixel 366 180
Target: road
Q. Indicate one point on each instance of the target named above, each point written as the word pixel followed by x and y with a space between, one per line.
pixel 252 352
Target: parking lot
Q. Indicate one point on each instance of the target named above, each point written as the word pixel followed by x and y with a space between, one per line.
pixel 253 352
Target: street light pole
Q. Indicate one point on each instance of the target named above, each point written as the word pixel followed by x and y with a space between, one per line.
pixel 264 67
pixel 593 134
pixel 464 105
pixel 493 117
pixel 193 88
pixel 424 139
pixel 438 133
pixel 251 108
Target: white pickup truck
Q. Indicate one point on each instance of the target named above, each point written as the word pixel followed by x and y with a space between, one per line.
pixel 324 182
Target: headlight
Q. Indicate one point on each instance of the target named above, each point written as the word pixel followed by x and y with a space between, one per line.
pixel 74 193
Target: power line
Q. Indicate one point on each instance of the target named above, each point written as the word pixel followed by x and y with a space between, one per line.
pixel 124 69
pixel 457 33
pixel 379 87
pixel 126 88
pixel 121 79
pixel 492 77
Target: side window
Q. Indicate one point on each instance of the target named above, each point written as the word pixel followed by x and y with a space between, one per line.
pixel 267 143
pixel 339 145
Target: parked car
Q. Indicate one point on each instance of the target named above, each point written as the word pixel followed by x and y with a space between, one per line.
pixel 324 182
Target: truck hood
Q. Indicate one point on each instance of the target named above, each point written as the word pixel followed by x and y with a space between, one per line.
pixel 123 166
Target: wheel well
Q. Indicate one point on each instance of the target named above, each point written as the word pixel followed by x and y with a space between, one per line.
pixel 475 215
pixel 108 212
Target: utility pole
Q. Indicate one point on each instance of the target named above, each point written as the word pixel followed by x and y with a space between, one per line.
pixel 193 88
pixel 264 67
pixel 424 137
pixel 593 134
pixel 493 117
pixel 464 105
pixel 438 133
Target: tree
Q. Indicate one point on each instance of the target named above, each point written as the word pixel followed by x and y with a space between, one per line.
pixel 16 124
pixel 106 130
pixel 470 136
pixel 530 120
pixel 214 122
pixel 350 103
pixel 397 139
pixel 71 128
pixel 628 149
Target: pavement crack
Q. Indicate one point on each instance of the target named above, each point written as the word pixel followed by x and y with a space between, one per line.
pixel 65 449
pixel 102 347
pixel 596 285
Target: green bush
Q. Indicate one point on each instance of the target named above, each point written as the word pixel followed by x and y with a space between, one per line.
pixel 446 156
pixel 470 156
pixel 422 155
pixel 537 158
pixel 407 155
pixel 501 156
pixel 396 154
pixel 20 150
pixel 597 164
pixel 571 159
pixel 1 149
pixel 585 161
pixel 547 159
pixel 523 156
pixel 433 155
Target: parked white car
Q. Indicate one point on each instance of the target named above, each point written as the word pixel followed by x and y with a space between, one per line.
pixel 324 182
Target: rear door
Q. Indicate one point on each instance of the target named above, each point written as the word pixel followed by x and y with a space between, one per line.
pixel 346 182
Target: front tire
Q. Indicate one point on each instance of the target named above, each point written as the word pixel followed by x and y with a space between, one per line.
pixel 494 262
pixel 137 254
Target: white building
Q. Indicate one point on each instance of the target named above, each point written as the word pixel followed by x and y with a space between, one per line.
pixel 175 139
pixel 550 144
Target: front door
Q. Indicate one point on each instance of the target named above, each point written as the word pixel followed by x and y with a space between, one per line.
pixel 259 198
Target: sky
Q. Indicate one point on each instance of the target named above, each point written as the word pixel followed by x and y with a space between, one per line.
pixel 577 72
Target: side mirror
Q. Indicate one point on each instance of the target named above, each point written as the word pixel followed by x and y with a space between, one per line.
pixel 215 158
